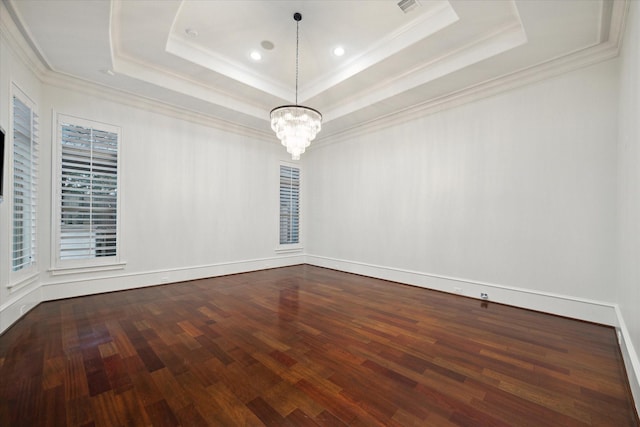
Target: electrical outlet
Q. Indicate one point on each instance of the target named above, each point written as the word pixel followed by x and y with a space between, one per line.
pixel 165 279
pixel 457 290
pixel 484 295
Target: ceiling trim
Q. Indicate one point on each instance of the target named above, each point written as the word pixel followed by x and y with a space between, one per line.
pixel 489 46
pixel 147 73
pixel 441 17
pixel 606 50
pixel 601 52
pixel 191 52
pixel 46 75
pixel 134 100
pixel 618 22
pixel 143 71
pixel 580 59
pixel 27 51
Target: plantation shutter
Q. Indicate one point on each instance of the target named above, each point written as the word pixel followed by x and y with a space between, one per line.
pixel 25 168
pixel 289 204
pixel 89 189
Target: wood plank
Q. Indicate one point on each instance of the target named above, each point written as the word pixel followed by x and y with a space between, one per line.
pixel 306 346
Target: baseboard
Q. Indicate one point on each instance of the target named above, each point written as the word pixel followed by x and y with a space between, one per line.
pixel 19 305
pixel 631 360
pixel 68 288
pixel 81 284
pixel 561 305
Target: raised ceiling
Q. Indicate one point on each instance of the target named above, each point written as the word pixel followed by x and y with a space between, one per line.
pixel 195 55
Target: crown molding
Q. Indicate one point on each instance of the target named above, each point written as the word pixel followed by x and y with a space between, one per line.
pixel 441 16
pixel 619 14
pixel 64 81
pixel 196 54
pixel 28 54
pixel 126 65
pixel 576 60
pixel 493 44
pixel 46 75
pixel 129 67
pixel 535 73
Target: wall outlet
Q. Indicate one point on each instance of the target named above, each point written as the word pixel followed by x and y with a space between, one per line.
pixel 457 290
pixel 484 295
pixel 165 279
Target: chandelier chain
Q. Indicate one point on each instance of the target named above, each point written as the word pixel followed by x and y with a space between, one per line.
pixel 297 44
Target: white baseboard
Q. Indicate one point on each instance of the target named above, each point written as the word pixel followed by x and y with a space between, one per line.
pixel 82 284
pixel 19 305
pixel 631 360
pixel 576 308
pixel 68 288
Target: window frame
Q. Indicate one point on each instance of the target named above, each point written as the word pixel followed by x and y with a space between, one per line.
pixel 284 247
pixel 20 277
pixel 72 266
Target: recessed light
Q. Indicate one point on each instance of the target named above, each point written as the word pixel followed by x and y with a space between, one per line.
pixel 338 51
pixel 191 32
pixel 256 56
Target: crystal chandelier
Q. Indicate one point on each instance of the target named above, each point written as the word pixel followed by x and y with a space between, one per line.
pixel 295 125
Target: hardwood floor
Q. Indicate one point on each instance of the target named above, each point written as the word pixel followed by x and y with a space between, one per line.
pixel 306 346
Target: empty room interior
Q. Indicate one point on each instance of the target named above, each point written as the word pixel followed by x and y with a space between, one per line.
pixel 358 213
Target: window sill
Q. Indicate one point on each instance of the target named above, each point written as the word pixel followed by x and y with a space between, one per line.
pixel 32 278
pixel 59 271
pixel 289 249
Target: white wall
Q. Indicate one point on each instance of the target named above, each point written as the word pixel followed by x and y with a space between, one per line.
pixel 517 190
pixel 195 200
pixel 15 71
pixel 526 195
pixel 628 292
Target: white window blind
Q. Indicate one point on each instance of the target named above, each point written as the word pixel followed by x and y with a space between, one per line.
pixel 25 171
pixel 289 204
pixel 88 192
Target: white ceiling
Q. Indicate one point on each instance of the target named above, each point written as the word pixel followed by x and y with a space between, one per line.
pixel 393 61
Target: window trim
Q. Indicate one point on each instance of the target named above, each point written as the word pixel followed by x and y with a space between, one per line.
pixel 17 277
pixel 297 247
pixel 96 264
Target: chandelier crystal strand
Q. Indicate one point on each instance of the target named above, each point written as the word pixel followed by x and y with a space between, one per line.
pixel 295 125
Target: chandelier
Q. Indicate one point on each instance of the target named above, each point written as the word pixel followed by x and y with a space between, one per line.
pixel 295 125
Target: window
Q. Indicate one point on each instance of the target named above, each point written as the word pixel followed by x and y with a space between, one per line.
pixel 88 190
pixel 289 205
pixel 25 173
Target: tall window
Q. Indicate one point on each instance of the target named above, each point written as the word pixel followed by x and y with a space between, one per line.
pixel 88 218
pixel 25 172
pixel 289 204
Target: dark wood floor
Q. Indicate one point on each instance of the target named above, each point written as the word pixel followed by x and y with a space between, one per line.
pixel 305 346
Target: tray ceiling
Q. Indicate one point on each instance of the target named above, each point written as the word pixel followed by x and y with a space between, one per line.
pixel 196 55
